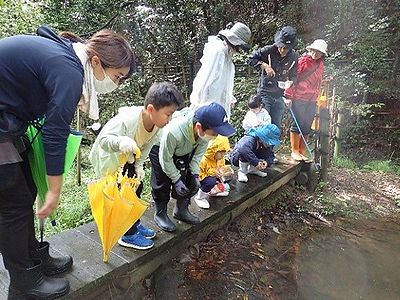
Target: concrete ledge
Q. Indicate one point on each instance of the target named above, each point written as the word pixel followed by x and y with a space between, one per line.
pixel 92 278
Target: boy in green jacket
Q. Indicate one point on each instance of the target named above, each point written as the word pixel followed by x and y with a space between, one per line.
pixel 135 127
pixel 175 162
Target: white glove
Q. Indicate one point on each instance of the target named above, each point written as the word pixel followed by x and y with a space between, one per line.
pixel 139 173
pixel 130 158
pixel 127 145
pixel 288 102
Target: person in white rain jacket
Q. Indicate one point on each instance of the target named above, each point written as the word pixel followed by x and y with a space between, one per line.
pixel 214 80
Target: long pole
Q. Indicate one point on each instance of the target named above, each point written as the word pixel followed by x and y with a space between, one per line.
pixel 78 156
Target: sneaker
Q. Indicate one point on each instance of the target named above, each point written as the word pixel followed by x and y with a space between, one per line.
pixel 146 232
pixel 255 171
pixel 201 199
pixel 136 241
pixel 242 177
pixel 202 203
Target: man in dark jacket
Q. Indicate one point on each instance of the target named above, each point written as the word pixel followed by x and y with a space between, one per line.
pixel 278 66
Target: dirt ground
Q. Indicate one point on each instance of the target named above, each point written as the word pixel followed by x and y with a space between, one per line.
pixel 254 256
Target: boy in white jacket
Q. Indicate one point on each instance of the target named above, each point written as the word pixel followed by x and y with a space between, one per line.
pixel 135 127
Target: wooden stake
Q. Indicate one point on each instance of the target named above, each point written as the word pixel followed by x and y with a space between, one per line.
pixel 338 135
pixel 324 142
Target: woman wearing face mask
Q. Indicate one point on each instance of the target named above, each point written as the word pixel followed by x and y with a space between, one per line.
pixel 45 75
pixel 214 80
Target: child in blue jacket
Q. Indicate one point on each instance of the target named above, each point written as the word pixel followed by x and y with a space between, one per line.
pixel 253 152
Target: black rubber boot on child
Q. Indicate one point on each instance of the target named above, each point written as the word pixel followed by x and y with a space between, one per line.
pixel 161 217
pixel 31 283
pixel 182 213
pixel 51 265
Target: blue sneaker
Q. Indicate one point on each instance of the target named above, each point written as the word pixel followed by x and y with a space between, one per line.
pixel 136 241
pixel 146 232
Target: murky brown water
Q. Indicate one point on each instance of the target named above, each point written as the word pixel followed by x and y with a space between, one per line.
pixel 354 260
pixel 361 264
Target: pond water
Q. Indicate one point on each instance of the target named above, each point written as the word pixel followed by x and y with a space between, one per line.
pixel 349 260
pixel 362 262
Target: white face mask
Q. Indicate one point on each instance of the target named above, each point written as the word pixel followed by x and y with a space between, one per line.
pixel 104 86
pixel 206 137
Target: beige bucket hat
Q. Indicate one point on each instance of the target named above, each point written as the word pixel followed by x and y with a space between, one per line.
pixel 238 35
pixel 319 45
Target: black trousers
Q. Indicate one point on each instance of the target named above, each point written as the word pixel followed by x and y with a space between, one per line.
pixel 17 230
pixel 162 186
pixel 304 112
pixel 129 170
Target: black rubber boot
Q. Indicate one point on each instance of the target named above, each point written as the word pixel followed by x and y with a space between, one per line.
pixel 51 265
pixel 161 217
pixel 31 283
pixel 182 213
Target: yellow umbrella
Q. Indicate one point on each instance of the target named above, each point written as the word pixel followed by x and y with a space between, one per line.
pixel 115 207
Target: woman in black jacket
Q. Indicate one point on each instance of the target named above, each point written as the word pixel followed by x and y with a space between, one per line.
pixel 46 76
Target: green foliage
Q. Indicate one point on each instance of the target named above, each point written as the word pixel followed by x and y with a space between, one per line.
pixel 243 88
pixel 74 208
pixel 82 17
pixel 331 206
pixel 19 17
pixel 384 166
pixel 321 187
pixel 344 162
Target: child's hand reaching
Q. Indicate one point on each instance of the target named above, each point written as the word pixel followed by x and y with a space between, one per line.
pixel 262 164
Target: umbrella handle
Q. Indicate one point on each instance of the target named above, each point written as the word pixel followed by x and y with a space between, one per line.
pixel 41 228
pixel 41 221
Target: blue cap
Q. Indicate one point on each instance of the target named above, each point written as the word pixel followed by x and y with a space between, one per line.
pixel 268 134
pixel 213 116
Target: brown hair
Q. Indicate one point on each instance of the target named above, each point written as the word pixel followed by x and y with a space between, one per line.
pixel 113 50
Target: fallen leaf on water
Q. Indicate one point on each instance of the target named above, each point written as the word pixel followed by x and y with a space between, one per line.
pixel 235 272
pixel 257 254
pixel 276 230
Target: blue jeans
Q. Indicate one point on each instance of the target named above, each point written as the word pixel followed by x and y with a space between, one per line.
pixel 275 107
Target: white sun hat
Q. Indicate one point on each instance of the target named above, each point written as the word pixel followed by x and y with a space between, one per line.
pixel 319 45
pixel 239 35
